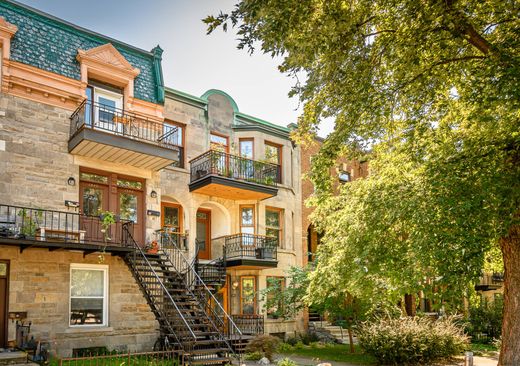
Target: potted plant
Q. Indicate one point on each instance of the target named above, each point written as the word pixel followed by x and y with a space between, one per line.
pixel 30 222
pixel 107 219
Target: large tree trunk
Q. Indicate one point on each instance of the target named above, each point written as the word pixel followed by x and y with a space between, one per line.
pixel 510 352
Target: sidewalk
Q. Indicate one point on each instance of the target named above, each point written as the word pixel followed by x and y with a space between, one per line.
pixel 304 361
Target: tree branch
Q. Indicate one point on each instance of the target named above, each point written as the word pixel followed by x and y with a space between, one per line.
pixel 438 63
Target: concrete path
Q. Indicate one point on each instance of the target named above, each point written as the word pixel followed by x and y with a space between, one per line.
pixel 304 361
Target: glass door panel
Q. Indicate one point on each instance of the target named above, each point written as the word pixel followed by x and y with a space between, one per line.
pixel 203 234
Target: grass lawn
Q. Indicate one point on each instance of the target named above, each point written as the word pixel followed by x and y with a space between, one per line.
pixel 482 349
pixel 332 352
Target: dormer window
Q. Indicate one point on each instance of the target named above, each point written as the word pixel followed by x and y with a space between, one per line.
pixel 344 177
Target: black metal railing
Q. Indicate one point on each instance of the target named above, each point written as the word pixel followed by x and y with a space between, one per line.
pixel 29 223
pixel 213 272
pixel 249 324
pixel 96 116
pixel 172 318
pixel 251 245
pixel 214 310
pixel 219 163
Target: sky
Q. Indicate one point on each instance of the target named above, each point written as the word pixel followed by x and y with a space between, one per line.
pixel 193 62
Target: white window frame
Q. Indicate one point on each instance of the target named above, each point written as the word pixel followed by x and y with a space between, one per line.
pixel 93 267
pixel 107 94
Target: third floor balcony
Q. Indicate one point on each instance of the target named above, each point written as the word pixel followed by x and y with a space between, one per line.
pixel 216 173
pixel 111 134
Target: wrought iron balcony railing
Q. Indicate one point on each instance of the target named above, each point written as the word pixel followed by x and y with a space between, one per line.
pixel 39 225
pixel 226 165
pixel 100 117
pixel 249 324
pixel 251 246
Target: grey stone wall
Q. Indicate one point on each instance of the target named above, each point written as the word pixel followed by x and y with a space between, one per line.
pixel 34 160
pixel 40 285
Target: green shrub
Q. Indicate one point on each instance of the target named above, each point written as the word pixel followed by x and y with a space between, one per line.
pixel 285 347
pixel 293 340
pixel 411 340
pixel 286 362
pixel 253 356
pixel 263 344
pixel 485 321
pixel 308 338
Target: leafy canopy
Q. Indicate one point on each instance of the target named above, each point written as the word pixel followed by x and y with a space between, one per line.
pixel 430 90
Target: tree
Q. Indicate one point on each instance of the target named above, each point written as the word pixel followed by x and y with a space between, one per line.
pixel 430 88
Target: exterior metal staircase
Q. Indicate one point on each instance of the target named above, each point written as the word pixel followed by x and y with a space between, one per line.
pixel 190 319
pixel 213 273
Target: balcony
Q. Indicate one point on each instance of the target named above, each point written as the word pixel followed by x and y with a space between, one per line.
pixel 26 227
pixel 490 282
pixel 219 174
pixel 111 134
pixel 248 250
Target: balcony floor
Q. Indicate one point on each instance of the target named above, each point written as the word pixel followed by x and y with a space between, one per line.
pixel 229 188
pixel 86 248
pixel 250 263
pixel 121 150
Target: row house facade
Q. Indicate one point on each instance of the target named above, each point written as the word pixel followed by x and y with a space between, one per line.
pixel 129 211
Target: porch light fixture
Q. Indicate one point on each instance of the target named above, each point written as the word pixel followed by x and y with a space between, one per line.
pixel 71 181
pixel 153 194
pixel 235 285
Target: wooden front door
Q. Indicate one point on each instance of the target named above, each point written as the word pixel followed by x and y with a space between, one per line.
pixel 103 191
pixel 4 296
pixel 203 236
pixel 93 200
pixel 171 217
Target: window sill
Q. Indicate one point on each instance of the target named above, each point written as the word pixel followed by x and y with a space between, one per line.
pixel 88 329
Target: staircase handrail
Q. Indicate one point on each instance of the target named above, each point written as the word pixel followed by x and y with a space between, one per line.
pixel 137 248
pixel 190 268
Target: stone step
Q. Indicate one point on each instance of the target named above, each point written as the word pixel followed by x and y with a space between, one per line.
pixel 13 358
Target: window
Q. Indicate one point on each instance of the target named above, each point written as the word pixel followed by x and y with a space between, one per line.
pixel 88 295
pixel 218 142
pixel 246 148
pixel 107 105
pixel 344 177
pixel 174 134
pixel 248 295
pixel 275 286
pixel 247 219
pixel 273 154
pixel 273 224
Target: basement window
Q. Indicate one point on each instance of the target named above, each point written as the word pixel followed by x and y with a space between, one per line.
pixel 88 295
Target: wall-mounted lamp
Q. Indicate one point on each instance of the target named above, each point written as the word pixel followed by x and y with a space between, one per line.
pixel 153 194
pixel 234 285
pixel 71 181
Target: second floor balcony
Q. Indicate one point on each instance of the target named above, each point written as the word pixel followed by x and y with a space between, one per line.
pixel 29 227
pixel 216 173
pixel 247 250
pixel 111 134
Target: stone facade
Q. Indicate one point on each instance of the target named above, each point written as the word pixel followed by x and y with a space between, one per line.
pixel 36 168
pixel 40 285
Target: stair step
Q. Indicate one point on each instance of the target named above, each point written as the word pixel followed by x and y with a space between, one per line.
pixel 210 361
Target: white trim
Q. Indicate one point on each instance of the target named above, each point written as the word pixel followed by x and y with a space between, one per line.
pixel 94 267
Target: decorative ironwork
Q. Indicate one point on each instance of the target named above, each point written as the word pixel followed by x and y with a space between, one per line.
pixel 249 324
pixel 252 246
pixel 36 224
pixel 115 121
pixel 222 164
